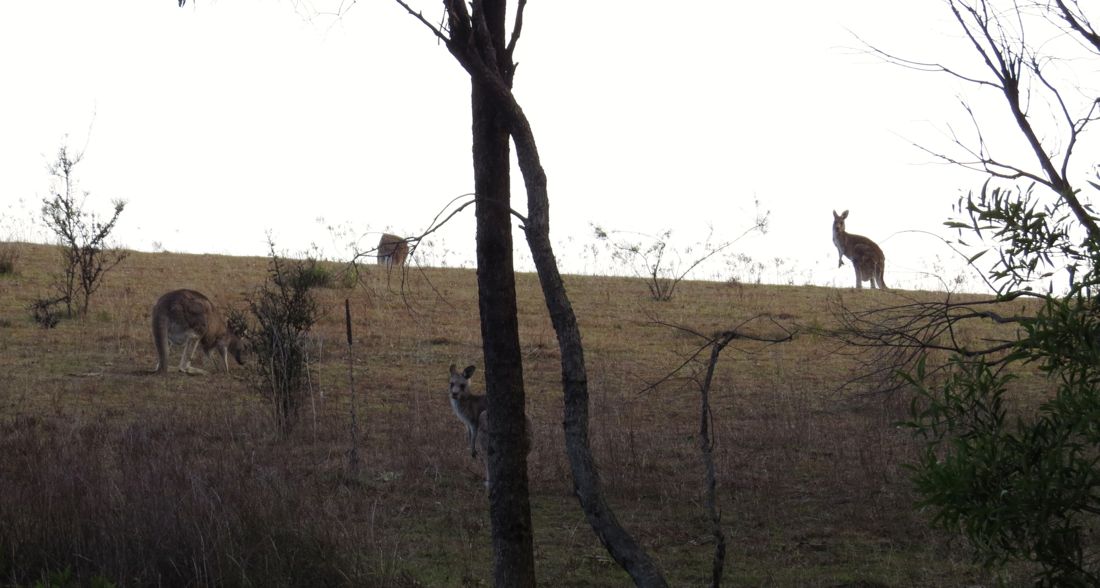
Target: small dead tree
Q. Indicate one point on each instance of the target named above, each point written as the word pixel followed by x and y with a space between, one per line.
pixel 82 237
pixel 711 348
pixel 662 266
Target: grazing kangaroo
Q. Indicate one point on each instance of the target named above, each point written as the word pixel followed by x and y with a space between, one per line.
pixel 186 317
pixel 867 258
pixel 471 409
pixel 392 250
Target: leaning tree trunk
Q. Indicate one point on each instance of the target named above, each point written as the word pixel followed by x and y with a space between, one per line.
pixel 509 504
pixel 477 45
pixel 586 478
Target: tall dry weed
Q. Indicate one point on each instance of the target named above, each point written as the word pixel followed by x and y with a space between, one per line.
pixel 147 504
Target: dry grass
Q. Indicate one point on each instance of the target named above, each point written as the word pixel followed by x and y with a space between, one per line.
pixel 142 480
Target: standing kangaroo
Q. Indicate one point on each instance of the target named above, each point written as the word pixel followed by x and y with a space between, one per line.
pixel 867 258
pixel 392 250
pixel 471 409
pixel 186 317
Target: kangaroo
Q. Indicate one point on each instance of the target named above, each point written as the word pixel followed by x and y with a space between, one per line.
pixel 867 258
pixel 471 409
pixel 392 250
pixel 186 317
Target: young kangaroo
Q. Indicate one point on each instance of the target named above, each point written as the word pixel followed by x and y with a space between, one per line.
pixel 471 409
pixel 867 258
pixel 186 317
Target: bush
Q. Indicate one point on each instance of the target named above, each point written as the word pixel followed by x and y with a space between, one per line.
pixel 82 238
pixel 284 311
pixel 46 312
pixel 311 274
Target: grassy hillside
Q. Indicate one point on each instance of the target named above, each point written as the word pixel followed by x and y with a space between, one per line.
pixel 178 480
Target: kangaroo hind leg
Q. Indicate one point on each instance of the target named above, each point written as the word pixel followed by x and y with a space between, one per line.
pixel 189 347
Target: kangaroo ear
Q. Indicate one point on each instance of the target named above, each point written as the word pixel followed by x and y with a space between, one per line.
pixel 453 370
pixel 469 371
pixel 844 214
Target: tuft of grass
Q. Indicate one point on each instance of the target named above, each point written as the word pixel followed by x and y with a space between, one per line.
pixel 9 256
pixel 313 274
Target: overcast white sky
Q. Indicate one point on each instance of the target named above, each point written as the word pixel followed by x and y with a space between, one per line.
pixel 226 120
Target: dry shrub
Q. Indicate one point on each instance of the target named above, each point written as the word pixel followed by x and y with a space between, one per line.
pixel 45 312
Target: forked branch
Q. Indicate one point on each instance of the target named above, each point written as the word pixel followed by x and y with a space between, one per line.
pixel 472 46
pixel 1015 69
pixel 715 343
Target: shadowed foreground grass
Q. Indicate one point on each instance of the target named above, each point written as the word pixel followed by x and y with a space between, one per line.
pixel 111 473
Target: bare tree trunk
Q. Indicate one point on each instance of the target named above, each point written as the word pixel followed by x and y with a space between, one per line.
pixel 509 503
pixel 706 447
pixel 476 42
pixel 586 478
pixel 480 60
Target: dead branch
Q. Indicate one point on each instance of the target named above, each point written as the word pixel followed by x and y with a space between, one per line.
pixel 892 339
pixel 715 343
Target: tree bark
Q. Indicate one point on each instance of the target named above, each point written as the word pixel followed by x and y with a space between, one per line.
pixel 509 506
pixel 586 477
pixel 491 70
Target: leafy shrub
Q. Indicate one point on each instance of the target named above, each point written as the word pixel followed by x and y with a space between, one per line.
pixel 311 274
pixel 284 311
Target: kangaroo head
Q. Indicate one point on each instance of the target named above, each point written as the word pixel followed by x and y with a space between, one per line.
pixel 236 335
pixel 838 222
pixel 460 381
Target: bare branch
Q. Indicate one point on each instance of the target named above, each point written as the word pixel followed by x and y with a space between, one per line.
pixel 922 65
pixel 897 336
pixel 1077 21
pixel 734 333
pixel 1010 62
pixel 419 16
pixel 510 51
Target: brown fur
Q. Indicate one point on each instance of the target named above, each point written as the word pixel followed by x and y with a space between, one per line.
pixel 187 318
pixel 392 250
pixel 472 410
pixel 867 258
